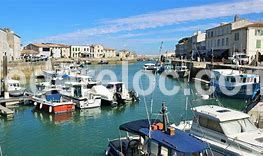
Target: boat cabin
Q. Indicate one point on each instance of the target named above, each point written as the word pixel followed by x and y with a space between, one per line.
pixel 149 66
pixel 222 120
pixel 116 86
pixel 53 95
pixel 77 78
pixel 13 85
pixel 234 77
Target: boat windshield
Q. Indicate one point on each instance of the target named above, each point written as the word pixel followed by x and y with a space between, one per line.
pixel 237 126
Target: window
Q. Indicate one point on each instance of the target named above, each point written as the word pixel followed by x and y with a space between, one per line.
pixel 212 34
pixel 210 124
pixel 258 44
pixel 227 43
pixel 214 43
pixel 45 49
pixel 259 32
pixel 236 36
pixel 164 151
pixel 223 41
pixel 78 49
pixel 154 148
pixel 218 42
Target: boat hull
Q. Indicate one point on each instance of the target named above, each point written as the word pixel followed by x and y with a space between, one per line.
pixel 16 93
pixel 241 94
pixel 61 108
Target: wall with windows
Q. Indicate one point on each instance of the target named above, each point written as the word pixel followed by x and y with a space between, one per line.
pixel 218 37
pixel 239 39
pixel 255 40
pixel 80 51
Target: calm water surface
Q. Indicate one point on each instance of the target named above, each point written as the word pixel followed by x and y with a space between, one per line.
pixel 86 132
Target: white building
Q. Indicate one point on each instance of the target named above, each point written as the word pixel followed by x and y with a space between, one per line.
pixel 248 39
pixel 219 39
pixel 10 44
pixel 50 49
pixel 81 51
pixel 97 50
pixel 109 52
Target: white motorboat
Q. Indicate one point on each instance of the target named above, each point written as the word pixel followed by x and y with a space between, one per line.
pixel 120 93
pixel 81 96
pixel 114 93
pixel 14 88
pixel 227 131
pixel 180 71
pixel 150 67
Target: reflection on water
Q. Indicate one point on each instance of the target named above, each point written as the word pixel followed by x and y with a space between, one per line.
pixel 53 118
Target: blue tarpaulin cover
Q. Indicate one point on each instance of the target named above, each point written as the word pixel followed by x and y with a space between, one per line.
pixel 135 126
pixel 181 141
pixel 65 76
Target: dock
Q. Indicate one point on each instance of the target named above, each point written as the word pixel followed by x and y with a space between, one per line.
pixel 6 112
pixel 14 100
pixel 9 102
pixel 219 65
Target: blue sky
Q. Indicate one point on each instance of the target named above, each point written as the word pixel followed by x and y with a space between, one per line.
pixel 138 25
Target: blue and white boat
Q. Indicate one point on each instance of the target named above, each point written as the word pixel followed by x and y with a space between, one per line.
pixel 235 84
pixel 153 137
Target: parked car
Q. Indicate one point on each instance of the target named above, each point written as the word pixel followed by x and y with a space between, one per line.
pixel 240 58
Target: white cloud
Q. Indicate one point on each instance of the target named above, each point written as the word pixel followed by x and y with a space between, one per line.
pixel 164 18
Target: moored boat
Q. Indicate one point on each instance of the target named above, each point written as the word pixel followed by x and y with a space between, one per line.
pixel 150 67
pixel 14 88
pixel 51 101
pixel 227 131
pixel 153 137
pixel 241 85
pixel 81 96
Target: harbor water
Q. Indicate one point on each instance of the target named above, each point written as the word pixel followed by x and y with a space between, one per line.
pixel 86 132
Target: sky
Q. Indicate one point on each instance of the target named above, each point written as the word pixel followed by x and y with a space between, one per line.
pixel 136 25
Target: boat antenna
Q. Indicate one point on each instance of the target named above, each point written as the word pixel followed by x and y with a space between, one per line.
pixel 164 114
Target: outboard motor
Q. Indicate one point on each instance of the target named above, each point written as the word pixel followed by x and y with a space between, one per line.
pixel 134 95
pixel 118 98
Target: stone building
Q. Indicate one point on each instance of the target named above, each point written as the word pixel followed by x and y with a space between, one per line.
pixel 50 49
pixel 10 44
pixel 126 54
pixel 109 52
pixel 97 50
